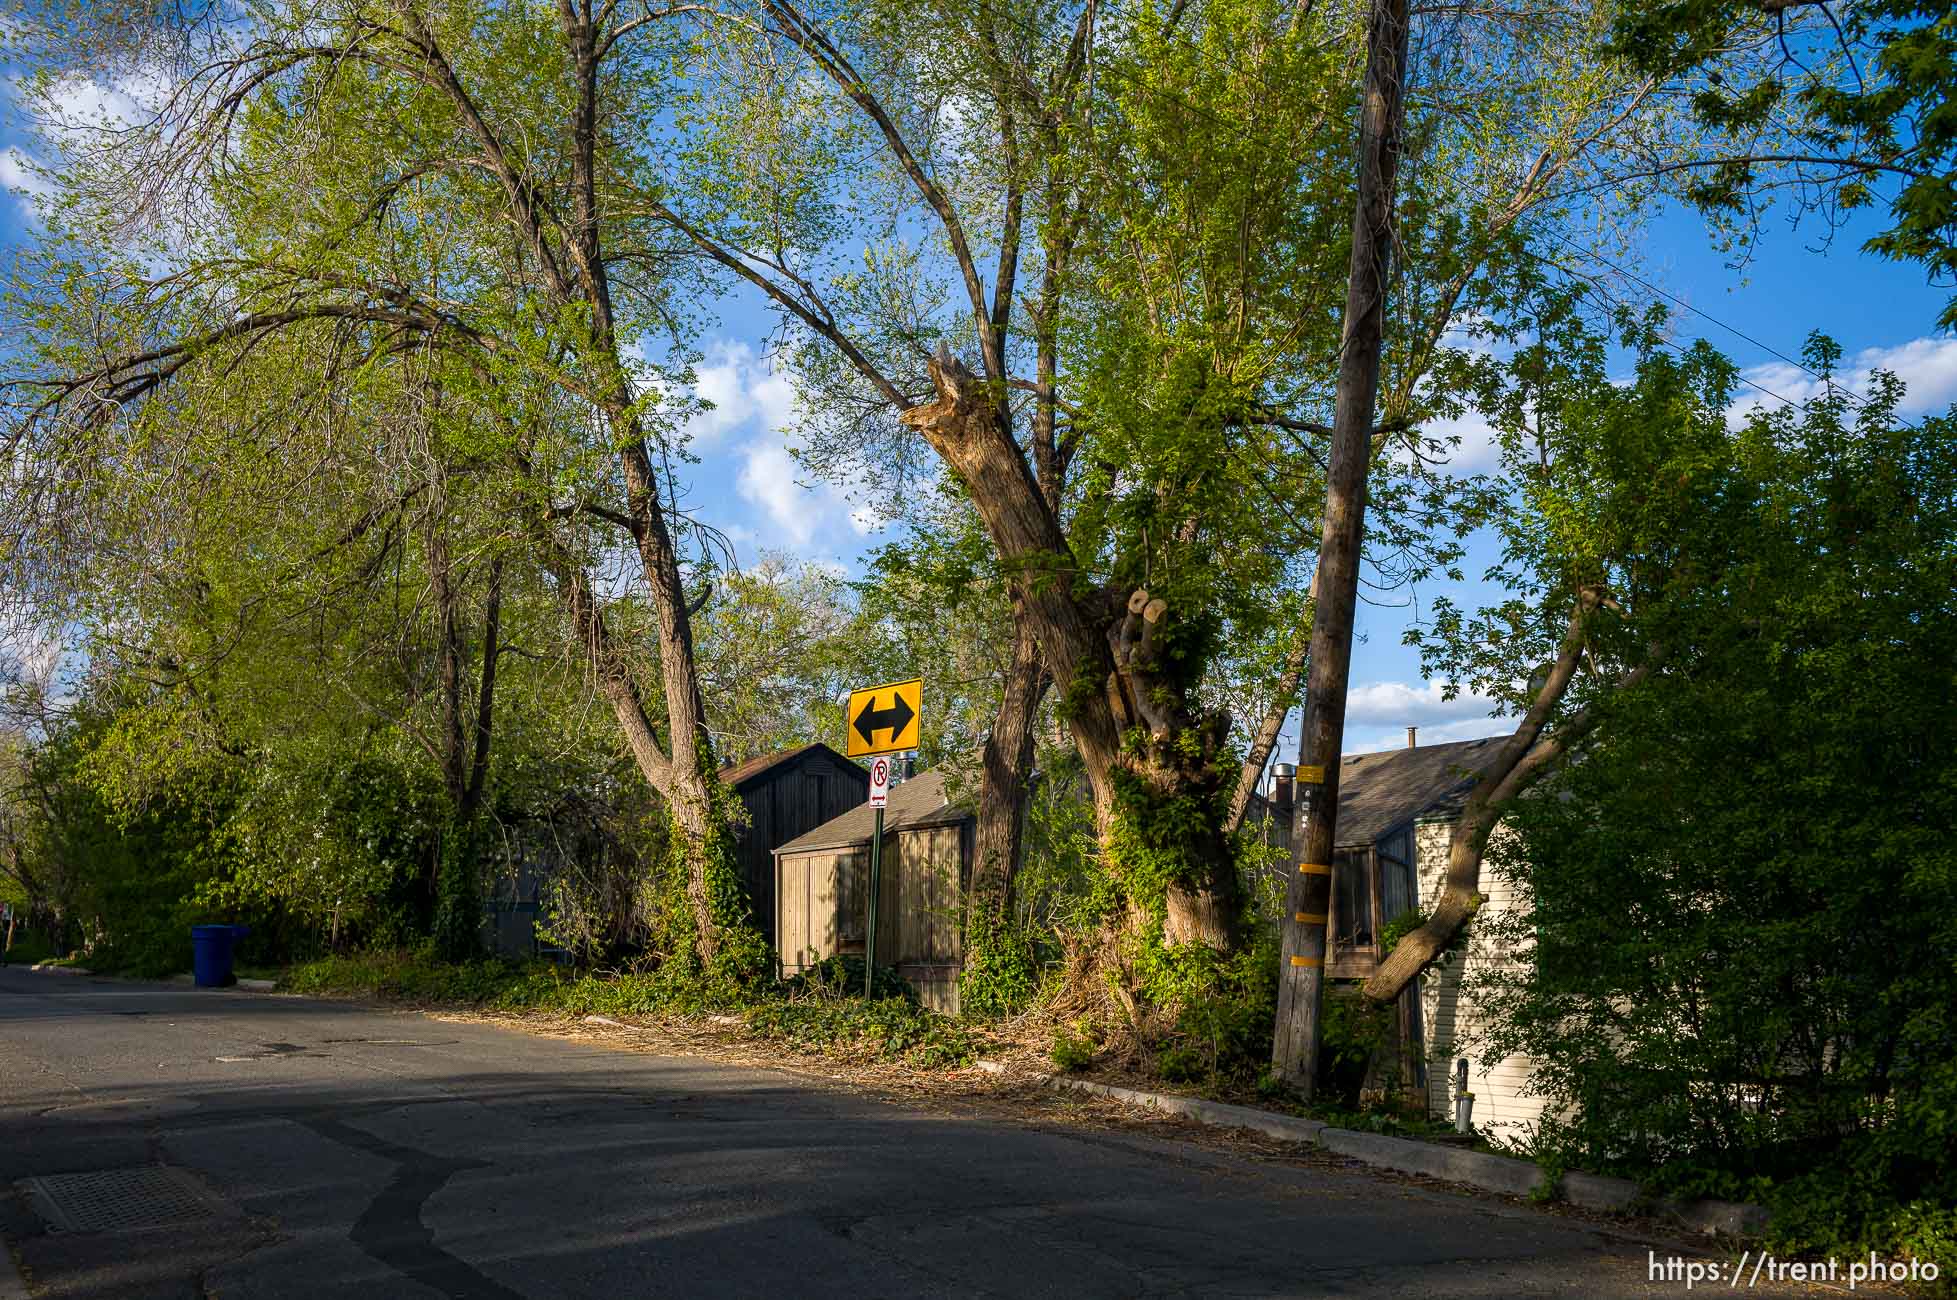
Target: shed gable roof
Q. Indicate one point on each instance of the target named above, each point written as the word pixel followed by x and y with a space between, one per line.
pixel 755 769
pixel 914 804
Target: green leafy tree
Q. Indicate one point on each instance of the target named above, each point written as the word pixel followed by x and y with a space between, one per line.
pixel 1738 904
pixel 348 198
pixel 1843 106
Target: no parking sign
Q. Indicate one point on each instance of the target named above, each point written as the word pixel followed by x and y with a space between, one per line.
pixel 879 782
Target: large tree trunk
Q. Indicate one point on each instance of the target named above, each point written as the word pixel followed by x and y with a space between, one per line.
pixel 687 781
pixel 1006 768
pixel 1106 666
pixel 1294 1049
pixel 676 778
pixel 455 884
pixel 492 650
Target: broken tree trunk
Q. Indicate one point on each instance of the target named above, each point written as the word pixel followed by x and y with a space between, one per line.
pixel 1294 1049
pixel 1108 669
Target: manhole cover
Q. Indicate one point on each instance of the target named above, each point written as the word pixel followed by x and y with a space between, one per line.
pixel 120 1200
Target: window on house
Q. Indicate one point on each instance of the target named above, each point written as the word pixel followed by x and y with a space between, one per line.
pixel 1352 899
pixel 1396 892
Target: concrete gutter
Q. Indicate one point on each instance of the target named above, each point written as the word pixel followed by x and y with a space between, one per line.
pixel 1479 1169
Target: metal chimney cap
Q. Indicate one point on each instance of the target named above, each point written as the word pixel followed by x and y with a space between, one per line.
pixel 1282 770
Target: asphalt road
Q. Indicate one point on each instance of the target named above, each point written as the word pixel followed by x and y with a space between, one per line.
pixel 297 1148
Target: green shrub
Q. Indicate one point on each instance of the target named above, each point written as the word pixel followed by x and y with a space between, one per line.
pixel 29 947
pixel 1073 1051
pixel 842 976
pixel 1740 902
pixel 1002 970
pixel 887 1029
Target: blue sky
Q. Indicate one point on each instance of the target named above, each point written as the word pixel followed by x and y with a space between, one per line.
pixel 1883 313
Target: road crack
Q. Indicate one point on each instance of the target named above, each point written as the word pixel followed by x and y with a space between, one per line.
pixel 391 1230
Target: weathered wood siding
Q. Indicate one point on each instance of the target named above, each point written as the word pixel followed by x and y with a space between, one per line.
pixel 811 916
pixel 930 892
pixel 821 913
pixel 1503 1105
pixel 790 800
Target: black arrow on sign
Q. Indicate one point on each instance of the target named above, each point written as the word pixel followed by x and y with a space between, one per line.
pixel 872 719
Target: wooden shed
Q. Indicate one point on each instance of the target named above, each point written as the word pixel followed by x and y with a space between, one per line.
pixel 787 794
pixel 822 879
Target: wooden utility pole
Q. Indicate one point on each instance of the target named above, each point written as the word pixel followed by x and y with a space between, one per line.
pixel 1301 974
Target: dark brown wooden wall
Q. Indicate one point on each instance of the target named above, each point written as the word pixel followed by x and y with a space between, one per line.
pixel 788 800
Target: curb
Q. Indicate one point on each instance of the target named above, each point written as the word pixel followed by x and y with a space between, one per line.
pixel 1476 1168
pixel 1219 1114
pixel 50 968
pixel 1493 1173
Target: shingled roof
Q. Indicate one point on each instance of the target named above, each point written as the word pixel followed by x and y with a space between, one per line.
pixel 1378 792
pixel 914 804
pixel 741 773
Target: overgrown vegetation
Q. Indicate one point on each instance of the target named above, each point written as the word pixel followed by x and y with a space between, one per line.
pixel 823 1012
pixel 1060 302
pixel 1738 904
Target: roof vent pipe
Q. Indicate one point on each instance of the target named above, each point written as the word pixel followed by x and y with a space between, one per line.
pixel 1410 731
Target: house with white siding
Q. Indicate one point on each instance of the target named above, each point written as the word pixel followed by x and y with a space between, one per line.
pixel 1396 810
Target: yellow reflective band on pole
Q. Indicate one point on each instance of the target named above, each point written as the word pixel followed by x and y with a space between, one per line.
pixel 1307 961
pixel 1310 918
pixel 1313 869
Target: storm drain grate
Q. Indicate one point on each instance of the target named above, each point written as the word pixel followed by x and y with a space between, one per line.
pixel 119 1200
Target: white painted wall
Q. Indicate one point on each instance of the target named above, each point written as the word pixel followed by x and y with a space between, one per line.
pixel 1448 1020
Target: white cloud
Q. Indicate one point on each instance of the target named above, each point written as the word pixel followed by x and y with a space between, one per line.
pixel 1378 714
pixel 78 104
pixel 1478 453
pixel 767 479
pixel 747 394
pixel 743 390
pixel 1387 703
pixel 17 173
pixel 799 511
pixel 1927 367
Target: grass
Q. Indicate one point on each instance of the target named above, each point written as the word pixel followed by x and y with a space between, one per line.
pixel 822 1020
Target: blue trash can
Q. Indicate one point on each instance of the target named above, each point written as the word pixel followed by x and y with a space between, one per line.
pixel 210 953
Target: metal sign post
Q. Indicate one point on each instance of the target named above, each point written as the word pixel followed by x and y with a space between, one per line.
pixel 894 710
pixel 879 795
